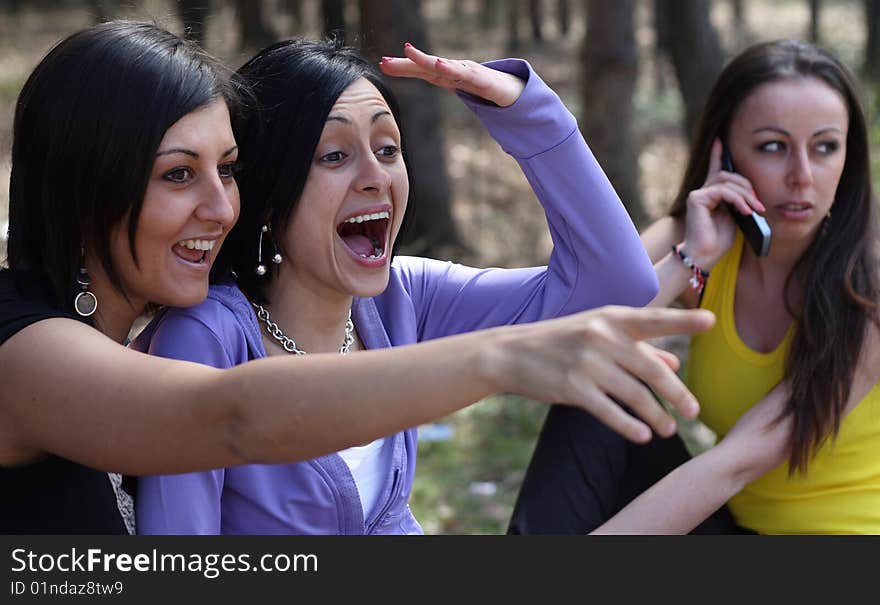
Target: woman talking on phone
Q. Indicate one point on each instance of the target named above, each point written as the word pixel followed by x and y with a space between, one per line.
pixel 788 376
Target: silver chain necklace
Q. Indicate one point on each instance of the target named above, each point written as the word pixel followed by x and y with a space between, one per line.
pixel 288 343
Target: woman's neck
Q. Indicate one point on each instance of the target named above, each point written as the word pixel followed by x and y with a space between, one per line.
pixel 316 321
pixel 115 314
pixel 773 270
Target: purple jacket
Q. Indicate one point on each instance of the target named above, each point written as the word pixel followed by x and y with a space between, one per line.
pixel 597 259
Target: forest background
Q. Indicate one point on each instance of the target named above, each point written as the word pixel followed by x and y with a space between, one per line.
pixel 634 72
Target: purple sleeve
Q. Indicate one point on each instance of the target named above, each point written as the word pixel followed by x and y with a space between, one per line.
pixel 597 257
pixel 187 503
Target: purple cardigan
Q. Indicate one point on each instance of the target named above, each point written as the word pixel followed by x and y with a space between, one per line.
pixel 597 259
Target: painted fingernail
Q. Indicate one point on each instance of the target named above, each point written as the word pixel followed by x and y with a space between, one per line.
pixel 386 60
pixel 408 45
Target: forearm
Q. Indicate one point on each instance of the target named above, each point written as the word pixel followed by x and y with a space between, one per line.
pixel 597 257
pixel 674 278
pixel 681 500
pixel 325 403
pixel 685 497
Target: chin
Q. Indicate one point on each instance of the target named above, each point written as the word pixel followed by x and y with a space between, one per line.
pixel 186 299
pixel 367 288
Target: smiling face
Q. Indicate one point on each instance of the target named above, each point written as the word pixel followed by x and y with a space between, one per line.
pixel 788 137
pixel 341 233
pixel 190 204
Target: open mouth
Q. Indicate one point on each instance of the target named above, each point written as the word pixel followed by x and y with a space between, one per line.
pixel 365 234
pixel 194 250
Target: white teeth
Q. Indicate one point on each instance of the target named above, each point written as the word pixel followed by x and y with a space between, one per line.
pixel 197 244
pixel 368 217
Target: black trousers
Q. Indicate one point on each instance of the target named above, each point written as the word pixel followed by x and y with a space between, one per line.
pixel 582 473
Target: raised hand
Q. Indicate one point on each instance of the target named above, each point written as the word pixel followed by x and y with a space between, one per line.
pixel 500 88
pixel 710 229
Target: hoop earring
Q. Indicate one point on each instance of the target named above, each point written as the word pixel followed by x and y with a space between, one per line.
pixel 276 258
pixel 85 304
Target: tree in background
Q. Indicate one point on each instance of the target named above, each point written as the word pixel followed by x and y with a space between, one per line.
pixel 253 30
pixel 563 17
pixel 610 70
pixel 386 26
pixel 871 67
pixel 193 14
pixel 694 49
pixel 815 20
pixel 333 17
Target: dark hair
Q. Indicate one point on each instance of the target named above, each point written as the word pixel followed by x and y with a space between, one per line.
pixel 836 278
pixel 295 84
pixel 87 126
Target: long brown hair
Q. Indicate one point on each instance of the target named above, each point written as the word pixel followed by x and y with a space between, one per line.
pixel 837 276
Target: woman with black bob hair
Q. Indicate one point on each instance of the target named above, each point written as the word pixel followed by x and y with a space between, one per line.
pixel 789 377
pixel 325 191
pixel 296 83
pixel 122 191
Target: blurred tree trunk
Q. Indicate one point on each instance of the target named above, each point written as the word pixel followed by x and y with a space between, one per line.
pixel 563 16
pixel 457 11
pixel 193 14
pixel 488 14
pixel 536 16
pixel 739 21
pixel 610 66
pixel 386 26
pixel 253 31
pixel 661 47
pixel 815 19
pixel 101 10
pixel 695 52
pixel 333 16
pixel 294 9
pixel 513 41
pixel 872 43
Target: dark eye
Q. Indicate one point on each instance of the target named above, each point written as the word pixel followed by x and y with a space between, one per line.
pixel 333 157
pixel 228 170
pixel 178 175
pixel 771 146
pixel 389 151
pixel 827 147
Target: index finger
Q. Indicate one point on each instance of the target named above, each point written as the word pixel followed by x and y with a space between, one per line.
pixel 649 322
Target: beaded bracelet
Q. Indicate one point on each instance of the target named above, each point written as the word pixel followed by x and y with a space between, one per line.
pixel 699 276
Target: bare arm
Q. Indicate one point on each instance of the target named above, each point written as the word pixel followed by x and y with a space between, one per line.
pixel 755 445
pixel 658 239
pixel 70 391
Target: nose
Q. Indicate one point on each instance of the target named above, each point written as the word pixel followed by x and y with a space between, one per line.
pixel 219 203
pixel 800 172
pixel 373 177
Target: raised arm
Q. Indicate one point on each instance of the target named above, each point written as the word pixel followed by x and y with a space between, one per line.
pixel 597 257
pixel 755 445
pixel 70 391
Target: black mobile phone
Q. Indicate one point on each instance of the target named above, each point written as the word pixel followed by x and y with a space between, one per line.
pixel 754 226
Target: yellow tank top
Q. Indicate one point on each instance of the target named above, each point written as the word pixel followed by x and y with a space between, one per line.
pixel 841 490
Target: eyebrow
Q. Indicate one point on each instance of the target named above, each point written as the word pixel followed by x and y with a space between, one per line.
pixel 192 153
pixel 373 119
pixel 821 131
